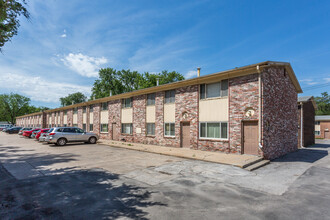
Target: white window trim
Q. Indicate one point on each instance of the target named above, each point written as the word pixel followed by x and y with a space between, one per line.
pixel 207 138
pixel 122 106
pixel 103 132
pixel 147 129
pixel 164 129
pixel 131 129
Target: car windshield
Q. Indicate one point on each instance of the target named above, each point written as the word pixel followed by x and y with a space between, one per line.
pixel 50 130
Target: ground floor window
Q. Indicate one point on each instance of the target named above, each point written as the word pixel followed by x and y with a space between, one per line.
pixel 317 132
pixel 84 127
pixel 75 125
pixel 90 127
pixel 64 125
pixel 150 128
pixel 213 130
pixel 127 128
pixel 169 129
pixel 104 127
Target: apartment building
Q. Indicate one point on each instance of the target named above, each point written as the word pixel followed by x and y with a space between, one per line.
pixel 246 110
pixel 322 126
pixel 306 121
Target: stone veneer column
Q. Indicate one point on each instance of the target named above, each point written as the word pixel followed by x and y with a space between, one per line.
pixel 139 118
pixel 53 119
pixel 80 117
pixel 96 118
pixel 62 118
pixel 243 94
pixel 115 117
pixel 159 123
pixel 69 116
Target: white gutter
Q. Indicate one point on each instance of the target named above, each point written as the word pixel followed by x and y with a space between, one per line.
pixel 260 102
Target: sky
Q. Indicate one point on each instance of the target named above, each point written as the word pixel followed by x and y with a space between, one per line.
pixel 61 48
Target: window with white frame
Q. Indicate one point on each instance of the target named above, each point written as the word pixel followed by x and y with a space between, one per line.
pixel 75 110
pixel 317 122
pixel 127 128
pixel 90 127
pixel 170 96
pixel 169 129
pixel 126 103
pixel 213 130
pixel 150 128
pixel 151 99
pixel 317 132
pixel 104 106
pixel 65 112
pixel 104 127
pixel 84 109
pixel 91 108
pixel 213 90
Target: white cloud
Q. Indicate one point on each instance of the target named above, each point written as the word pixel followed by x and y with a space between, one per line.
pixel 39 89
pixel 190 74
pixel 327 79
pixel 83 64
pixel 309 82
pixel 64 34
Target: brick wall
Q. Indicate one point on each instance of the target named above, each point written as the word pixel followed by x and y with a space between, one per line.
pixel 309 124
pixel 139 119
pixel 325 125
pixel 114 117
pixel 69 115
pixel 280 113
pixel 243 95
pixel 80 117
pixel 96 118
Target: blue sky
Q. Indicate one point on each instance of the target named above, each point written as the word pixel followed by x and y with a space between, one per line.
pixel 61 48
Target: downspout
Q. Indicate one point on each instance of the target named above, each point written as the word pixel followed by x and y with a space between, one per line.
pixel 301 124
pixel 260 102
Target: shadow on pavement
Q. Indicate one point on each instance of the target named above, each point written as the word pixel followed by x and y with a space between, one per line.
pixel 84 194
pixel 303 155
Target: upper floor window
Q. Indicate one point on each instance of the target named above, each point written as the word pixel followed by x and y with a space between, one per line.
pixel 126 103
pixel 170 96
pixel 151 99
pixel 75 110
pixel 65 112
pixel 84 109
pixel 104 106
pixel 213 90
pixel 91 108
pixel 317 122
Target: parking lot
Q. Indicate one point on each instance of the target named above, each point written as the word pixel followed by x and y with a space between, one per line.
pixel 84 181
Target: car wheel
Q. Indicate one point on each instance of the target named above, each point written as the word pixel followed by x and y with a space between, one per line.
pixel 61 142
pixel 92 140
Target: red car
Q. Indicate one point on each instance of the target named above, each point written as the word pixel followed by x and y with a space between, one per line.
pixel 29 133
pixel 40 132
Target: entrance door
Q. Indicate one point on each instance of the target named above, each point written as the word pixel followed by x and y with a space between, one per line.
pixel 185 134
pixel 326 134
pixel 114 132
pixel 250 137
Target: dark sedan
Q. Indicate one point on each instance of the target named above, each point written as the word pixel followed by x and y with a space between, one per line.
pixel 13 130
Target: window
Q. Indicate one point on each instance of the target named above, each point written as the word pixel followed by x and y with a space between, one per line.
pixel 75 110
pixel 317 122
pixel 170 96
pixel 65 112
pixel 104 106
pixel 150 128
pixel 91 108
pixel 65 125
pixel 104 127
pixel 317 132
pixel 169 130
pixel 213 90
pixel 214 130
pixel 126 103
pixel 69 130
pixel 84 127
pixel 84 109
pixel 79 130
pixel 151 99
pixel 75 125
pixel 127 128
pixel 90 127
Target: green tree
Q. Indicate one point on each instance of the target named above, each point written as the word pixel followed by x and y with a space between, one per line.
pixel 323 104
pixel 10 10
pixel 73 98
pixel 13 105
pixel 126 81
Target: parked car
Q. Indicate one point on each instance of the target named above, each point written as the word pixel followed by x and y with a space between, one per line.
pixel 62 135
pixel 43 136
pixel 28 133
pixel 13 130
pixel 42 131
pixel 34 133
pixel 23 129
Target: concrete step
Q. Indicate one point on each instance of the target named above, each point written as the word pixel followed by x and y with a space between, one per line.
pixel 257 165
pixel 252 161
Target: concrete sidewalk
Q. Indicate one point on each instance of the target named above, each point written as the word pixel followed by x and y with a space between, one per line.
pixel 238 160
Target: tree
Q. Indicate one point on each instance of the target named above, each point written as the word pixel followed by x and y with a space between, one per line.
pixel 73 98
pixel 10 10
pixel 323 104
pixel 126 81
pixel 13 105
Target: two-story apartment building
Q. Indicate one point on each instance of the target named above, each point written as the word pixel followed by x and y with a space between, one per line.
pixel 246 110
